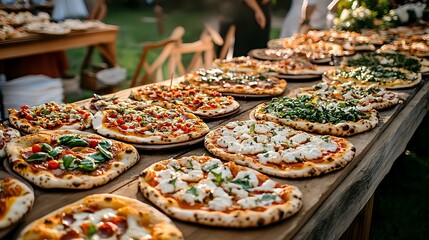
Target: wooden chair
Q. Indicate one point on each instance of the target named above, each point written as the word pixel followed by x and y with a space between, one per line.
pixel 228 44
pixel 153 72
pixel 203 50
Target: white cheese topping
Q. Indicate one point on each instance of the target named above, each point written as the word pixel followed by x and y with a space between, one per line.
pixel 262 128
pixel 134 231
pixel 220 204
pixel 248 175
pixel 225 140
pixel 267 186
pixel 299 139
pixel 270 156
pixel 193 195
pixel 193 176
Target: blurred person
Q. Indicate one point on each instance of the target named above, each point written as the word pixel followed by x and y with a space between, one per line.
pixel 305 15
pixel 252 19
pixel 97 9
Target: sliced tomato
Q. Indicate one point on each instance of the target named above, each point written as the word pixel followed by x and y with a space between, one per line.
pixel 53 164
pixel 93 143
pixel 168 124
pixel 106 230
pixel 28 117
pixel 138 118
pixel 36 148
pixel 120 121
pixel 25 107
pixel 124 127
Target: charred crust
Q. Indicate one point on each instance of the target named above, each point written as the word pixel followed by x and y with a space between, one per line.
pixel 21 166
pixel 47 222
pixel 261 222
pixel 281 214
pixel 143 174
pixel 108 199
pixel 76 184
pixel 128 151
pixel 345 127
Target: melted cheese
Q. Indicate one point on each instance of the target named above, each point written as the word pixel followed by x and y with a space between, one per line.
pixel 248 175
pixel 270 156
pixel 220 204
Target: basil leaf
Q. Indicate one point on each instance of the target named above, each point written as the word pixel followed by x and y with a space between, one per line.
pixel 252 128
pixel 103 151
pixel 65 138
pixel 192 190
pixel 54 152
pixel 106 144
pixel 67 161
pixel 172 181
pixel 40 156
pixel 218 177
pixel 91 230
pixel 87 164
pixel 98 157
pixel 176 169
pixel 77 143
pixel 268 197
pixel 214 166
pixel 46 147
pixel 244 183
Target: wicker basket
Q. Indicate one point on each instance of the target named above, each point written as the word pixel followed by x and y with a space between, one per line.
pixel 89 80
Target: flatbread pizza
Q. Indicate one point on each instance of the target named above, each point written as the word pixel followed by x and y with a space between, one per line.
pixel 150 125
pixel 103 216
pixel 386 77
pixel 278 150
pixel 205 190
pixel 50 116
pixel 312 114
pixel 69 159
pixel 228 82
pixel 367 97
pixel 201 102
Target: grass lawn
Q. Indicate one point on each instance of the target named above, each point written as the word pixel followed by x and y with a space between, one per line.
pixel 400 208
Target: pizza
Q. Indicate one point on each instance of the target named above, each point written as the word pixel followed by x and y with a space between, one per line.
pixel 99 103
pixel 6 134
pixel 103 216
pixel 292 65
pixel 16 199
pixel 69 159
pixel 201 102
pixel 312 114
pixel 272 54
pixel 151 125
pixel 278 150
pixel 396 60
pixel 407 46
pixel 387 77
pixel 367 97
pixel 50 116
pixel 228 82
pixel 205 190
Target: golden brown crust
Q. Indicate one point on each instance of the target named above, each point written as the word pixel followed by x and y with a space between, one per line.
pixel 124 157
pixel 155 222
pixel 16 199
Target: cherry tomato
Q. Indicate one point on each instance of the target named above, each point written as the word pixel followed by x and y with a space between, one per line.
pixel 113 115
pixel 86 115
pixel 53 164
pixel 120 121
pixel 168 124
pixel 29 117
pixel 85 227
pixel 25 107
pixel 132 127
pixel 36 148
pixel 138 118
pixel 124 127
pixel 93 143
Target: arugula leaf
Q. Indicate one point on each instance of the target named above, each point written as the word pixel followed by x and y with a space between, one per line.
pixel 218 177
pixel 40 156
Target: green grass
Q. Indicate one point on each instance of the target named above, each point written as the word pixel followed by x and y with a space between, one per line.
pixel 401 202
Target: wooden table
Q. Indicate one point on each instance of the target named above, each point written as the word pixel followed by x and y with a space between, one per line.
pixel 103 38
pixel 331 202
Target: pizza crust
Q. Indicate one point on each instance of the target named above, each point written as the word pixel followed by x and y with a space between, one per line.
pixel 239 218
pixel 163 227
pixel 20 205
pixel 340 129
pixel 128 156
pixel 13 133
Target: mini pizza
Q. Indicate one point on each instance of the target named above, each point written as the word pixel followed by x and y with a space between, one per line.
pixel 312 114
pixel 103 216
pixel 50 116
pixel 389 78
pixel 407 46
pixel 395 60
pixel 201 102
pixel 151 125
pixel 16 199
pixel 241 83
pixel 293 65
pixel 367 97
pixel 205 190
pixel 279 150
pixel 69 159
pixel 99 103
pixel 272 54
pixel 6 134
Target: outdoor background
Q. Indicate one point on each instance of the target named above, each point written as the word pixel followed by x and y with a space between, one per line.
pixel 401 202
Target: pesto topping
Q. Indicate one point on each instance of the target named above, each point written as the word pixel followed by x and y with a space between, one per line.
pixel 315 110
